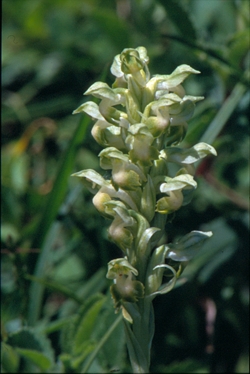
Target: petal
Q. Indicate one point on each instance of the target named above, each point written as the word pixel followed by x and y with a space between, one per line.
pixel 177 76
pixel 178 182
pixel 120 265
pixel 103 91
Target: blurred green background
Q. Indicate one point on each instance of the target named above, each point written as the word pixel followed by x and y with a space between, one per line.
pixel 56 306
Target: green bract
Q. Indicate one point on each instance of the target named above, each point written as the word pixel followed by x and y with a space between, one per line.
pixel 140 122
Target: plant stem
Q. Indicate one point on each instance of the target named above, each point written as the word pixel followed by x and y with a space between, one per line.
pixel 101 343
pixel 139 335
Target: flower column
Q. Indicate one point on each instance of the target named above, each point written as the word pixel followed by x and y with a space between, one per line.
pixel 140 122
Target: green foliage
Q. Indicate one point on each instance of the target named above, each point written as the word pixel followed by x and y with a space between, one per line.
pixel 54 244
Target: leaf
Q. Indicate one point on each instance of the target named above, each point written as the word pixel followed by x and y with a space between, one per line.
pixel 224 113
pixel 38 358
pixel 57 194
pixel 9 359
pixel 86 324
pixel 115 28
pixel 86 349
pixel 32 345
pixel 55 286
pixel 103 344
pixel 180 17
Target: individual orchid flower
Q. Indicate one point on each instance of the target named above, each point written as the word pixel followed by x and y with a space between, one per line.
pixel 122 231
pixel 174 187
pixel 125 174
pixel 108 135
pixel 125 287
pixel 139 142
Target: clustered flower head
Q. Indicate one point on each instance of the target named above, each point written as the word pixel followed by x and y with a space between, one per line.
pixel 140 122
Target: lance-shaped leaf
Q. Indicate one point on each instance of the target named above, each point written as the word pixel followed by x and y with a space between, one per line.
pixel 91 109
pixel 177 77
pixel 188 246
pixel 188 156
pixel 177 183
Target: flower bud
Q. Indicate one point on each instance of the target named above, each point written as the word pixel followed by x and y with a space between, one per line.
pixel 171 203
pixel 99 201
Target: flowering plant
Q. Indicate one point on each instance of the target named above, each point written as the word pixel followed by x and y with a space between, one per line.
pixel 140 122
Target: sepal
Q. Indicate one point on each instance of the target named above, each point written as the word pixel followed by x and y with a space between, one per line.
pixel 176 77
pixel 91 109
pixel 91 179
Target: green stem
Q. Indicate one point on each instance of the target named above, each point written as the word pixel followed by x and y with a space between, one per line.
pixel 223 114
pixel 101 343
pixel 139 335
